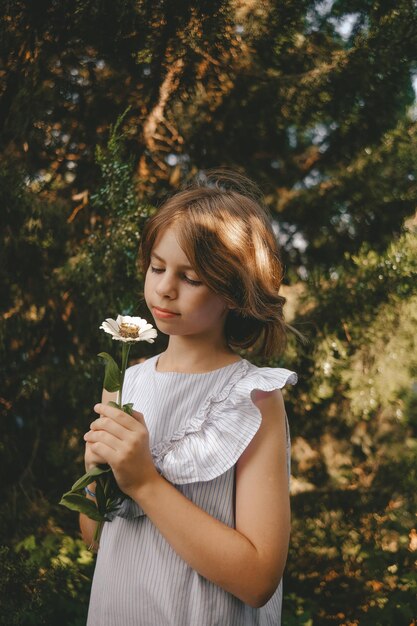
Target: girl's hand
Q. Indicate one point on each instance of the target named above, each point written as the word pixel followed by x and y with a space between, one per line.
pixel 122 441
pixel 91 458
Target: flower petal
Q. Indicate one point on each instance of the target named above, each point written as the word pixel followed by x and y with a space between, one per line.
pixel 113 323
pixel 125 319
pixel 148 335
pixel 108 328
pixel 141 322
pixel 137 321
pixel 144 328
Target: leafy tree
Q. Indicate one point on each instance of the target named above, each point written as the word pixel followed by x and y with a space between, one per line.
pixel 313 100
pixel 291 92
pixel 355 447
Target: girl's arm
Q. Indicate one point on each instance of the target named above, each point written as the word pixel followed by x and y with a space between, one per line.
pixel 247 561
pixel 87 525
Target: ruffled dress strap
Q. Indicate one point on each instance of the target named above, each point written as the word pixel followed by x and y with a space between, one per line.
pixel 214 439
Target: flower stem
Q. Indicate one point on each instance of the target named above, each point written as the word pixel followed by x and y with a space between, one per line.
pixel 125 356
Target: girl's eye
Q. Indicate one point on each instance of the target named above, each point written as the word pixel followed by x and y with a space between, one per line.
pixel 190 281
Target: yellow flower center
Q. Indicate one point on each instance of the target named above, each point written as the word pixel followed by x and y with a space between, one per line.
pixel 129 330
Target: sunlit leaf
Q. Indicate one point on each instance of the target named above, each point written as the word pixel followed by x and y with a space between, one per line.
pixel 112 375
pixel 90 477
pixel 79 503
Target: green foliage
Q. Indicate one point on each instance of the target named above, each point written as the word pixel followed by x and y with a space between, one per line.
pixel 43 581
pixel 117 192
pixel 366 280
pixel 281 90
pixel 36 344
pixel 51 376
pixel 76 501
pixel 362 362
pixel 385 368
pixel 322 117
pixel 352 553
pixel 107 256
pixel 356 539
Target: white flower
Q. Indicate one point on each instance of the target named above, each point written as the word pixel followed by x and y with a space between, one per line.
pixel 129 329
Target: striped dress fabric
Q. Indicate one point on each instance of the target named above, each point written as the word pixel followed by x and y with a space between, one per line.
pixel 199 425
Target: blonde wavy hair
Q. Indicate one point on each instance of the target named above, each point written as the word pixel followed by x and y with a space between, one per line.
pixel 226 233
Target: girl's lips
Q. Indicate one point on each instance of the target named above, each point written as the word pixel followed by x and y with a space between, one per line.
pixel 163 313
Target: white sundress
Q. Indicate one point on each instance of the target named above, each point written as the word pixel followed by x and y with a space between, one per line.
pixel 199 425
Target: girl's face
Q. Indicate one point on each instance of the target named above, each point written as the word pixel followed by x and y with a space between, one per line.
pixel 180 302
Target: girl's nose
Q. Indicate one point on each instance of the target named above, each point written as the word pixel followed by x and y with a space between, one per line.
pixel 166 286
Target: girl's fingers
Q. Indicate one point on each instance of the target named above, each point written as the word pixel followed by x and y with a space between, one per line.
pixel 106 410
pixel 139 417
pixel 111 426
pixel 92 455
pixel 102 437
pixel 91 458
pixel 104 452
pixel 118 415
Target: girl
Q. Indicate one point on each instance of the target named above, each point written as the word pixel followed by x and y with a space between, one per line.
pixel 204 539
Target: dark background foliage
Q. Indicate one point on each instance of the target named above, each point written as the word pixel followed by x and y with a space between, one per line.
pixel 105 108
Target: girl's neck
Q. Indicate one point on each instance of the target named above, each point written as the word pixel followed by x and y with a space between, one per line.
pixel 189 357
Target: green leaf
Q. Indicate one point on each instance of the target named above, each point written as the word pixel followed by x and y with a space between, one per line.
pixel 128 408
pixel 89 477
pixel 113 505
pixel 77 502
pixel 99 470
pixel 101 498
pixel 112 375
